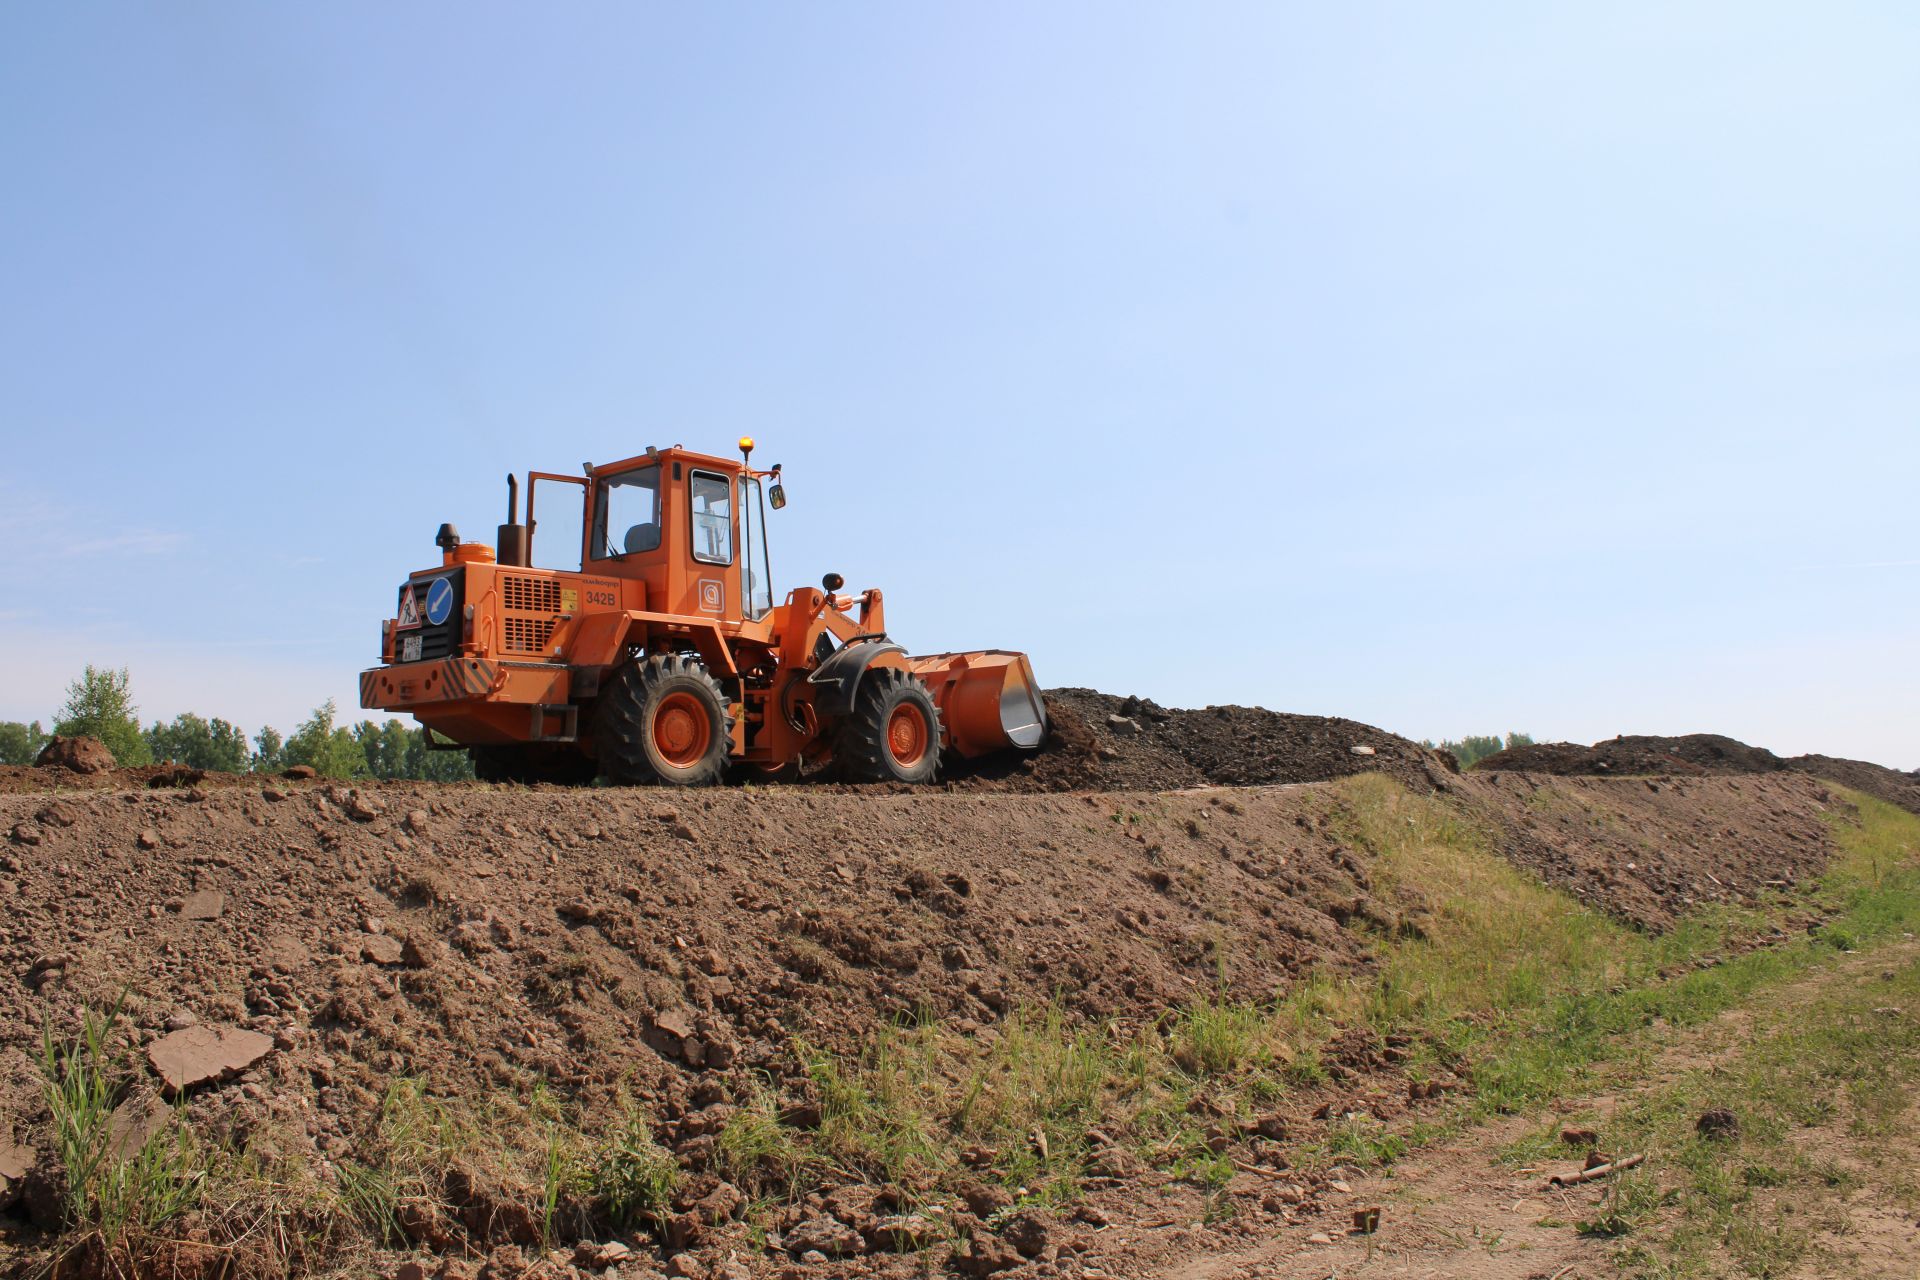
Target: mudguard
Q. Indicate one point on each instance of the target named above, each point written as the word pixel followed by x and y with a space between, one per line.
pixel 837 680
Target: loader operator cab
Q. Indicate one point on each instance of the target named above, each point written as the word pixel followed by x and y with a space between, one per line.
pixel 718 529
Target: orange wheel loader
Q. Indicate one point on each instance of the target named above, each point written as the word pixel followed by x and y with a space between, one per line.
pixel 665 658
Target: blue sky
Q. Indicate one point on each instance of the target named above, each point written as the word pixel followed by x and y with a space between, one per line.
pixel 1456 368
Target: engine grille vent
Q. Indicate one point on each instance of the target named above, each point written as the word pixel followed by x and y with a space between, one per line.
pixel 529 595
pixel 527 635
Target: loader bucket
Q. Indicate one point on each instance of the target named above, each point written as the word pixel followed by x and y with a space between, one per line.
pixel 988 699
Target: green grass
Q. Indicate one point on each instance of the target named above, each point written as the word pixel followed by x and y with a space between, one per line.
pixel 631 1176
pixel 114 1191
pixel 905 1108
pixel 577 1170
pixel 1525 988
pixel 577 1173
pixel 1829 1072
pixel 760 1154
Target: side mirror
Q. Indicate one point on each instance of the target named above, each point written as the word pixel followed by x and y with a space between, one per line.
pixel 777 497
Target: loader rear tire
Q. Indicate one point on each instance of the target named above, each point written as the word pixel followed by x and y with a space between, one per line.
pixel 663 720
pixel 893 732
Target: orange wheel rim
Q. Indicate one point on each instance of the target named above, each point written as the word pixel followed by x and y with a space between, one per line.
pixel 681 731
pixel 907 734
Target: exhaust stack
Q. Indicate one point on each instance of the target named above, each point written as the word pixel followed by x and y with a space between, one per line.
pixel 513 548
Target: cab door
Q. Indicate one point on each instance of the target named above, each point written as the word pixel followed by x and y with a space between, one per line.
pixel 713 552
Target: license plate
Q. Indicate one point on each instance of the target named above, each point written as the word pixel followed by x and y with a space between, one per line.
pixel 410 648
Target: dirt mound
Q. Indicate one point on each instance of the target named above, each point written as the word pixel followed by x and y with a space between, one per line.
pixel 826 912
pixel 80 755
pixel 1699 754
pixel 1649 849
pixel 1104 742
pixel 669 945
pixel 1876 780
pixel 669 950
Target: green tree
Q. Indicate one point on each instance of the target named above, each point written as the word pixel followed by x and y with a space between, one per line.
pixel 333 753
pixel 428 765
pixel 384 746
pixel 199 744
pixel 1476 747
pixel 393 750
pixel 20 743
pixel 268 751
pixel 99 706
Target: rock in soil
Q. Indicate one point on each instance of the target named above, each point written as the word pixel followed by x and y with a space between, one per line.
pixel 987 1255
pixel 206 905
pixel 202 1055
pixel 15 1162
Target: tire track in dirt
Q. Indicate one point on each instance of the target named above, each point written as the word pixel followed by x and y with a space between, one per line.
pixel 1456 1211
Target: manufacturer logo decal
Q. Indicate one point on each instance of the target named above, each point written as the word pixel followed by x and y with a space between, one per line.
pixel 439 601
pixel 409 609
pixel 713 596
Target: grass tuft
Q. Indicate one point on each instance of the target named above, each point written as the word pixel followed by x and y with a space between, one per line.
pixel 113 1189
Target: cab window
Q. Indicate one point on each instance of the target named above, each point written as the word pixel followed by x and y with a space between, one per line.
pixel 754 536
pixel 712 508
pixel 626 514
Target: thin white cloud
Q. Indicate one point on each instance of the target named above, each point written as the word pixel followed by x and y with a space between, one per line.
pixel 41 533
pixel 1867 564
pixel 139 542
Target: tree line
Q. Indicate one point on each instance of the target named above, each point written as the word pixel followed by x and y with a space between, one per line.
pixel 1477 746
pixel 100 705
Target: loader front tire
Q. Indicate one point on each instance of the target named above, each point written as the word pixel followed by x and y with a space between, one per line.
pixel 893 732
pixel 663 720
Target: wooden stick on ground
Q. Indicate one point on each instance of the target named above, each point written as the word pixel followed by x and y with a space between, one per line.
pixel 1598 1171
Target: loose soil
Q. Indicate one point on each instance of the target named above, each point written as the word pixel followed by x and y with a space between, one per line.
pixel 674 945
pixel 1650 849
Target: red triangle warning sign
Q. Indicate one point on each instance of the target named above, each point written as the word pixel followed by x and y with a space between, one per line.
pixel 409 610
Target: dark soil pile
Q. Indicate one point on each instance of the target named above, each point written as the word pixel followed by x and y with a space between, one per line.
pixel 1103 742
pixel 80 755
pixel 1698 754
pixel 1694 753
